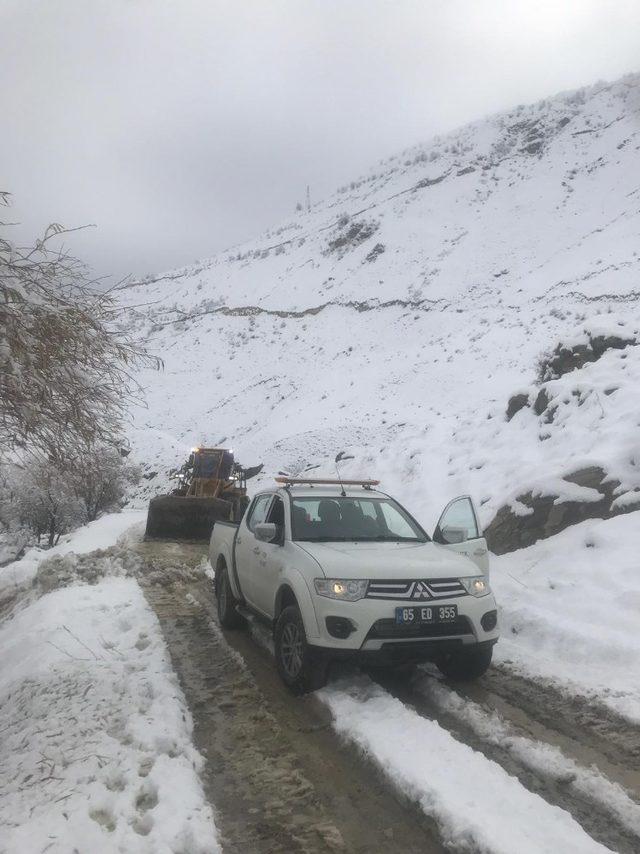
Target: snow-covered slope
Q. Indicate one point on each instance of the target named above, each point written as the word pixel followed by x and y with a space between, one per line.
pixel 397 318
pixel 405 320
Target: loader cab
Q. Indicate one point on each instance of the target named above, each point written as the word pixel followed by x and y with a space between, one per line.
pixel 212 463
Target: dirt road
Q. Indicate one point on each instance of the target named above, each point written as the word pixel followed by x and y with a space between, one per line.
pixel 280 778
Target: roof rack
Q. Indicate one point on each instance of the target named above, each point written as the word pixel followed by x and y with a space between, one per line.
pixel 312 481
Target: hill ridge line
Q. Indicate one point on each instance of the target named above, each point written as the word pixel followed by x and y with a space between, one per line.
pixel 357 305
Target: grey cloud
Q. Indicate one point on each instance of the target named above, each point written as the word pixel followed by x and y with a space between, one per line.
pixel 180 128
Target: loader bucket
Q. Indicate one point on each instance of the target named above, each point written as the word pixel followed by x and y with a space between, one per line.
pixel 176 517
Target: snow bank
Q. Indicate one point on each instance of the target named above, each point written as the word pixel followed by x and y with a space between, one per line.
pixel 96 751
pixel 570 610
pixel 476 803
pixel 101 534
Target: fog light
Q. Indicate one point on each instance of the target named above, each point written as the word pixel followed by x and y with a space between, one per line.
pixel 489 621
pixel 339 627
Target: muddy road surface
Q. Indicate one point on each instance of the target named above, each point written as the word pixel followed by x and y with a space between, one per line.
pixel 281 780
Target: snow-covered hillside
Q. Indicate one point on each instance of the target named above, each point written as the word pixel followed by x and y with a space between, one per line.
pixel 399 317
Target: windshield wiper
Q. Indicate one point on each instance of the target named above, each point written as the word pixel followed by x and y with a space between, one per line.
pixel 379 538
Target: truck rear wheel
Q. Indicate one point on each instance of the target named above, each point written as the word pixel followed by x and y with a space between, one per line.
pixel 226 602
pixel 466 665
pixel 299 667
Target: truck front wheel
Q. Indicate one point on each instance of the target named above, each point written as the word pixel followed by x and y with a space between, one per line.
pixel 466 665
pixel 226 601
pixel 299 667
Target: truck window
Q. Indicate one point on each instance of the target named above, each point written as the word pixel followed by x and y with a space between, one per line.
pixel 346 518
pixel 276 513
pixel 258 510
pixel 394 523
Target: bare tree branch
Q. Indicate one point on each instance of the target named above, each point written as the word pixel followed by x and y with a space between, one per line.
pixel 66 361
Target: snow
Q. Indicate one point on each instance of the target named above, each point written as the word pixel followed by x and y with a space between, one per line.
pixel 100 534
pixel 570 611
pixel 96 752
pixel 545 759
pixel 475 802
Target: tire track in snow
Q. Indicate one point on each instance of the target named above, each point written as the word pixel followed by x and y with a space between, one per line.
pixel 278 778
pixel 462 829
pixel 596 725
pixel 476 802
pixel 601 806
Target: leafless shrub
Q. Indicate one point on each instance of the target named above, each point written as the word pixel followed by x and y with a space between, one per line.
pixel 100 477
pixel 42 498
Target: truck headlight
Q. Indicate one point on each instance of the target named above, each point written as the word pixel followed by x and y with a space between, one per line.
pixel 348 590
pixel 476 586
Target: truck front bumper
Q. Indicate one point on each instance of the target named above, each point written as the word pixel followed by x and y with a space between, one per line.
pixel 367 629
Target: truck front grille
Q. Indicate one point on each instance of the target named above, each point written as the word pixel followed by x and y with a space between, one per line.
pixel 419 591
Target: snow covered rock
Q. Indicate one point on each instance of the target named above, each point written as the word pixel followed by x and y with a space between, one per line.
pixel 545 515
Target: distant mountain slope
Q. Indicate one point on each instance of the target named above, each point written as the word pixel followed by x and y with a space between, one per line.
pixel 399 317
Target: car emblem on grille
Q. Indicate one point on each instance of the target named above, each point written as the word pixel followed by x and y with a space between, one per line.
pixel 421 591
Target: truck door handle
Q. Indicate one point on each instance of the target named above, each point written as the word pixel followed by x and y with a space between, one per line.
pixel 480 552
pixel 238 541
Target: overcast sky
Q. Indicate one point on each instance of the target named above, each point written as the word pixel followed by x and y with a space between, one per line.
pixel 181 127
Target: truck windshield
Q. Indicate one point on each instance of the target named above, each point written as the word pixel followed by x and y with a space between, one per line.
pixel 339 519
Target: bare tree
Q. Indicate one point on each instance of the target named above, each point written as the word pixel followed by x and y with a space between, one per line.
pixel 65 362
pixel 49 499
pixel 44 500
pixel 101 477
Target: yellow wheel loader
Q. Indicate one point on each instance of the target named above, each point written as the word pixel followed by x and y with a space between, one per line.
pixel 211 486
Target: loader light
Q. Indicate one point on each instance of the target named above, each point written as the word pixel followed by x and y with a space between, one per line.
pixel 348 590
pixel 476 586
pixel 194 450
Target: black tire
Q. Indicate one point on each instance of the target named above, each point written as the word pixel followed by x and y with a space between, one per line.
pixel 226 602
pixel 299 667
pixel 466 665
pixel 404 672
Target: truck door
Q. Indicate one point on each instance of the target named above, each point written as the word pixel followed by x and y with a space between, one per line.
pixel 248 548
pixel 458 530
pixel 270 558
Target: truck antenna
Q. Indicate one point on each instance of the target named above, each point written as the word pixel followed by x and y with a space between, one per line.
pixel 341 457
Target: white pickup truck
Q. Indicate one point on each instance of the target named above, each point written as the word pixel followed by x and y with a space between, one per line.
pixel 345 572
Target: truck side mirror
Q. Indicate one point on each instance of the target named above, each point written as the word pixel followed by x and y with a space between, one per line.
pixel 453 535
pixel 266 532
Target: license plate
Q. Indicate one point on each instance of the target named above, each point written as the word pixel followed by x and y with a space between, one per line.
pixel 426 614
